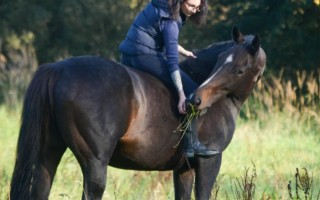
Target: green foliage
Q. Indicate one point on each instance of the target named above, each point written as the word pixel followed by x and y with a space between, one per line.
pixel 17 64
pixel 289 29
pixel 71 27
pixel 45 31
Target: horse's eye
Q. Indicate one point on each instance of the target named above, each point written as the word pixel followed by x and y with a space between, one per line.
pixel 238 72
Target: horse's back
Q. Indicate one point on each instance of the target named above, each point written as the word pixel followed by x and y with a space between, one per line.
pixel 93 83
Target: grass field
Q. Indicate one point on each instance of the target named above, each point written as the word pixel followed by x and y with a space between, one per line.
pixel 272 147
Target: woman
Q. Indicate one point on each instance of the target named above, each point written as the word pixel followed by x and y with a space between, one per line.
pixel 153 38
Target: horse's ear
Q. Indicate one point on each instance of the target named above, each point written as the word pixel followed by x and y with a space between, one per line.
pixel 254 46
pixel 237 35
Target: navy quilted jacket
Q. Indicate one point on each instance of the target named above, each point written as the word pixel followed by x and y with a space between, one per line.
pixel 154 32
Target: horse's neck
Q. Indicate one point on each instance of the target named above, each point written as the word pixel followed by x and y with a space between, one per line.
pixel 226 107
pixel 219 123
pixel 236 103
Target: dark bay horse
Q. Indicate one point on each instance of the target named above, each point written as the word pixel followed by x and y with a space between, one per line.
pixel 108 114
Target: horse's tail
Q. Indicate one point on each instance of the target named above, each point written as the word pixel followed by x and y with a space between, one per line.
pixel 35 118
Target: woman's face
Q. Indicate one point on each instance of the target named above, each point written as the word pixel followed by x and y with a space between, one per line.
pixel 190 7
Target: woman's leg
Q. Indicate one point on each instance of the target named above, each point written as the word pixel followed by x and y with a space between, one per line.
pixel 189 86
pixel 157 66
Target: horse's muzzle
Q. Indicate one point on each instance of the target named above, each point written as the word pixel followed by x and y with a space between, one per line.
pixel 193 101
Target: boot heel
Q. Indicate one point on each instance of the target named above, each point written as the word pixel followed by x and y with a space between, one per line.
pixel 202 151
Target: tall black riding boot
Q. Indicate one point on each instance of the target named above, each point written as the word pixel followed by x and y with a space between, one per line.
pixel 193 147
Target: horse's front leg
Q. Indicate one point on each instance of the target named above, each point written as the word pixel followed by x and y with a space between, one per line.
pixel 183 181
pixel 206 171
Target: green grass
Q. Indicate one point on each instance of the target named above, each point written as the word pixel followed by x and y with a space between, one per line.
pixel 275 145
pixel 9 123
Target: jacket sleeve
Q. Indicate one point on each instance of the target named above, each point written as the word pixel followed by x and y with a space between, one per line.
pixel 170 31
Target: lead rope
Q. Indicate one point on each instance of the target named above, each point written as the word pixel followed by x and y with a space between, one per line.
pixel 188 163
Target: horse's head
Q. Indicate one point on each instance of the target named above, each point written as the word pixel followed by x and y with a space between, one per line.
pixel 235 73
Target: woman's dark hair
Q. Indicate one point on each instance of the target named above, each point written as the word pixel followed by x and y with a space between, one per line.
pixel 198 18
pixel 174 6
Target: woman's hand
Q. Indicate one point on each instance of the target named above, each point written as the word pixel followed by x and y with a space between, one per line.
pixel 185 52
pixel 190 54
pixel 182 103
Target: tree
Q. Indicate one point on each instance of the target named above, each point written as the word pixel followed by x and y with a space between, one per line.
pixel 61 28
pixel 289 29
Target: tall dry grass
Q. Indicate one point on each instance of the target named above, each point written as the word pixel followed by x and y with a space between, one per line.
pixel 297 98
pixel 299 95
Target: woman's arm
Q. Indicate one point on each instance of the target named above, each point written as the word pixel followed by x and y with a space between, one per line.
pixel 170 31
pixel 185 52
pixel 176 78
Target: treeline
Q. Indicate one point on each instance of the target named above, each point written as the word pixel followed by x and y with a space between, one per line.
pixel 40 31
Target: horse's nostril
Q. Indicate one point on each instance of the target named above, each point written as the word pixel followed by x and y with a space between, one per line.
pixel 197 101
pixel 193 101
